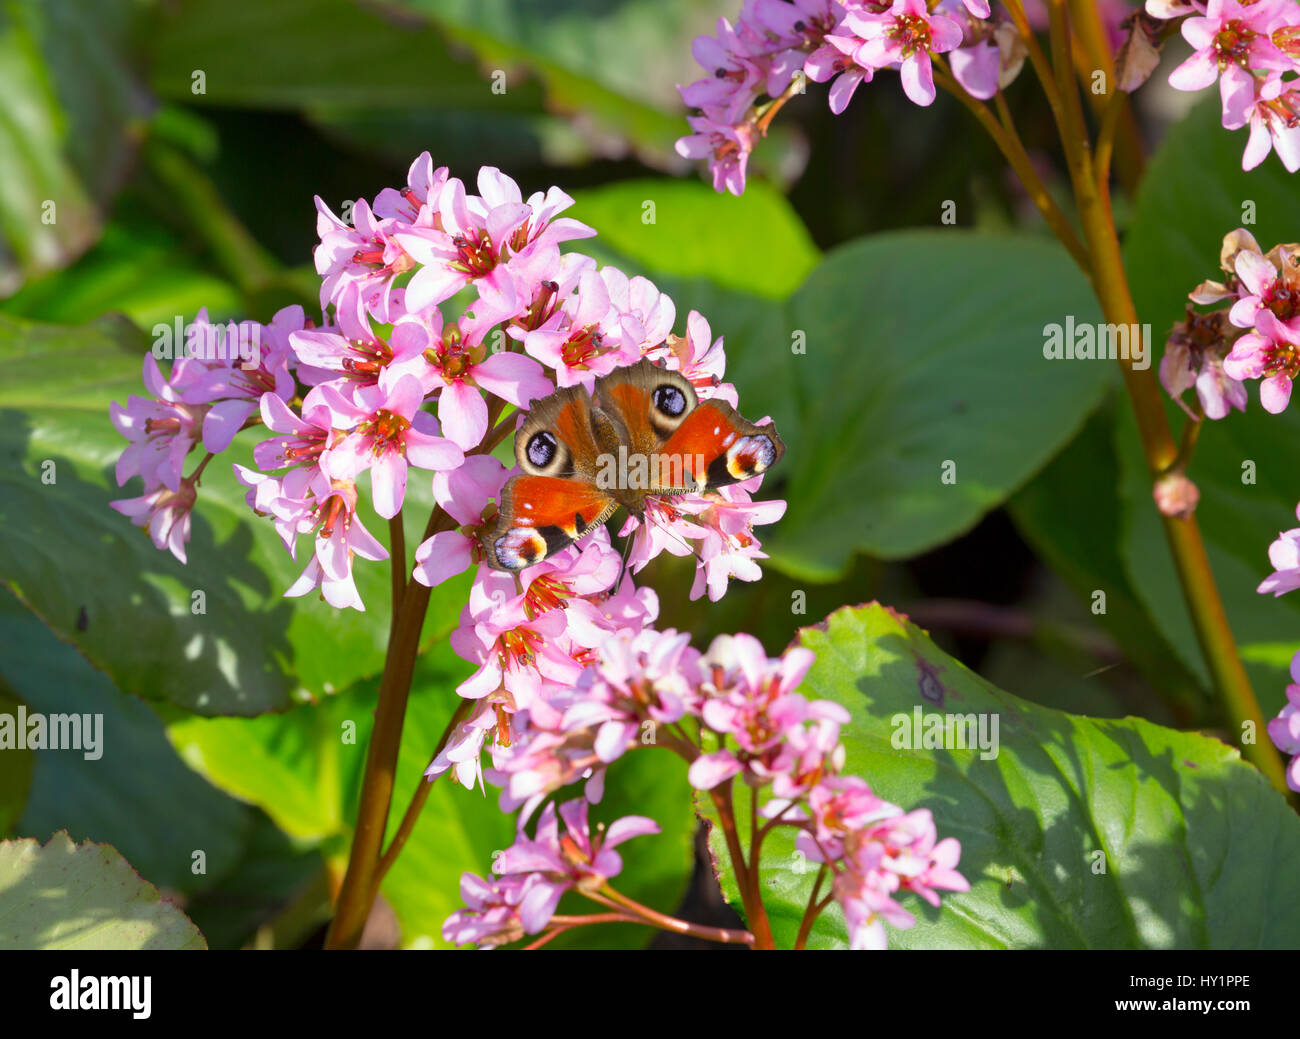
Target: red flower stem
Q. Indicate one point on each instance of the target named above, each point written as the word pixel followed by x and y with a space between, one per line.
pixel 747 881
pixel 812 912
pixel 1186 546
pixel 645 914
pixel 361 881
pixel 397 563
pixel 421 795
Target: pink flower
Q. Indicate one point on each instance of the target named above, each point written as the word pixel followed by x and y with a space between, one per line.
pixel 725 145
pixel 1268 353
pixel 358 263
pixel 1274 118
pixel 482 239
pixel 1194 357
pixel 908 34
pixel 161 429
pixel 388 431
pixel 579 858
pixel 1231 41
pixel 410 205
pixel 164 513
pixel 353 355
pixel 1284 556
pixel 836 60
pixel 463 493
pixel 339 536
pixel 582 340
pixel 495 910
pixel 733 79
pixel 1284 730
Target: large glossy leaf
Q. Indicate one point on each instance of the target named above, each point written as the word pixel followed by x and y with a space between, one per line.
pixel 1084 480
pixel 618 64
pixel 69 896
pixel 1193 194
pixel 1078 833
pixel 901 354
pixel 132 792
pixel 753 244
pixel 63 141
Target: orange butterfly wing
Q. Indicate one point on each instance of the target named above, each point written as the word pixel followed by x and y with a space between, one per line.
pixel 715 445
pixel 540 515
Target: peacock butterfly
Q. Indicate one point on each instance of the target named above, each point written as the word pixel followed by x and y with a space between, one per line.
pixel 642 432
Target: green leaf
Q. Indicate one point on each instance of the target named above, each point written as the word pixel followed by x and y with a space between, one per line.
pixel 99 583
pixel 1077 833
pixel 132 793
pixel 754 244
pixel 919 349
pixel 1084 480
pixel 85 896
pixel 1193 194
pixel 618 66
pixel 16 767
pixel 304 768
pixel 68 99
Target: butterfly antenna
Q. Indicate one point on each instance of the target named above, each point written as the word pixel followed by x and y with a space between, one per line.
pixel 681 541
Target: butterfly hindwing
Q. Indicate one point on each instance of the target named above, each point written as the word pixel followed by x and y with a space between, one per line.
pixel 539 516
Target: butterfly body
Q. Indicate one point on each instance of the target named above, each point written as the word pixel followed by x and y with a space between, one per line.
pixel 642 434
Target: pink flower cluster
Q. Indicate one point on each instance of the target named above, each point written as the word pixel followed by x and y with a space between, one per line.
pixel 1254 335
pixel 1252 50
pixel 441 309
pixel 732 713
pixel 776 44
pixel 220 374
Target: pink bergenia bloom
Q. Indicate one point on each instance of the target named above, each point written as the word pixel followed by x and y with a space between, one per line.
pixel 1268 353
pixel 1274 118
pixel 516 656
pixel 734 77
pixel 161 429
pixel 354 356
pixel 290 500
pixel 164 513
pixel 463 494
pixel 559 581
pixel 646 315
pixel 725 145
pixel 480 240
pixel 302 437
pixel 752 699
pixel 1263 287
pixel 580 858
pixel 583 339
pixel 459 369
pixel 1194 358
pixel 1284 556
pixel 409 205
pixel 838 806
pixel 642 677
pixel 782 32
pixel 387 432
pixel 463 752
pixel 358 263
pixel 835 59
pixel 907 34
pixel 235 385
pixel 1231 40
pixel 1284 730
pixel 496 910
pixel 339 536
pixel 699 357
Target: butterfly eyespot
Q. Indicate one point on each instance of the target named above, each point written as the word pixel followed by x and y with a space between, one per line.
pixel 541 449
pixel 670 401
